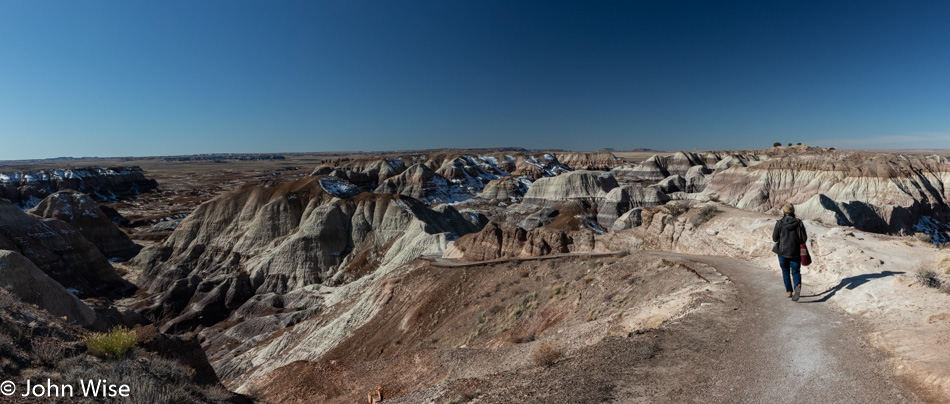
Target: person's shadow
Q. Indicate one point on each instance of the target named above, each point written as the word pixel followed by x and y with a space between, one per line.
pixel 849 283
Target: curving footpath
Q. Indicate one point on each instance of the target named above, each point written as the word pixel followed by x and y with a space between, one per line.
pixel 787 352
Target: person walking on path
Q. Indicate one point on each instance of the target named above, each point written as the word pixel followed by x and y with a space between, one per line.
pixel 789 235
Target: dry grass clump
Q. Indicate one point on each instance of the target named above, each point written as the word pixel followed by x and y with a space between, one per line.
pixel 929 279
pixel 546 353
pixel 705 214
pixel 676 209
pixel 7 346
pixel 558 292
pixel 47 351
pixel 924 237
pixel 111 345
pixel 943 264
pixel 663 263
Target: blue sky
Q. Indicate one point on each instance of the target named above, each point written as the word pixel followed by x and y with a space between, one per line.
pixel 118 78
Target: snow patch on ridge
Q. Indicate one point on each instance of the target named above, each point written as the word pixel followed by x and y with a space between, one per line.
pixel 338 188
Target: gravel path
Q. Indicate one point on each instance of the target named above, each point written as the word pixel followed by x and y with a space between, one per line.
pixel 787 352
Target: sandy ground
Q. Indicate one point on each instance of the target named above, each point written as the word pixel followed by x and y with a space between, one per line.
pixel 748 343
pixel 788 352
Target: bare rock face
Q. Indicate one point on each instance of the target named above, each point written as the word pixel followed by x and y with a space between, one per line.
pixel 81 212
pixel 696 179
pixel 506 189
pixel 364 172
pixel 28 188
pixel 421 183
pixel 620 200
pixel 629 220
pixel 60 251
pixel 874 192
pixel 658 167
pixel 602 161
pixel 274 240
pixel 471 173
pixel 500 241
pixel 441 178
pixel 673 183
pixel 591 185
pixel 533 167
pixel 27 282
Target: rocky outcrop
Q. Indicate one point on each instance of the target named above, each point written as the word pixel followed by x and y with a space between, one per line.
pixel 620 200
pixel 27 282
pixel 61 252
pixel 367 172
pixel 82 213
pixel 274 240
pixel 696 179
pixel 602 161
pixel 628 220
pixel 421 183
pixel 500 241
pixel 28 188
pixel 873 192
pixel 673 183
pixel 506 189
pixel 658 167
pixel 533 167
pixel 469 173
pixel 441 178
pixel 587 185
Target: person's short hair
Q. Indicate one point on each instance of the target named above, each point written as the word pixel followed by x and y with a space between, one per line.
pixel 789 209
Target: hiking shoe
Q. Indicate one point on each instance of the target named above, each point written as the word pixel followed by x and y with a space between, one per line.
pixel 798 292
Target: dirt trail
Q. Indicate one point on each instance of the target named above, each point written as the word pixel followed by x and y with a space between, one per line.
pixel 440 262
pixel 787 352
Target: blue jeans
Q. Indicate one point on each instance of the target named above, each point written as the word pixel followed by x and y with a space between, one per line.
pixel 793 266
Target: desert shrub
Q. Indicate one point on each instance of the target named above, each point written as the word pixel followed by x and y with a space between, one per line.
pixel 705 214
pixel 518 339
pixel 514 263
pixel 929 279
pixel 75 368
pixel 789 144
pixel 832 149
pixel 943 265
pixel 675 209
pixel 777 144
pixel 799 143
pixel 546 353
pixel 924 237
pixel 168 370
pixel 663 263
pixel 7 345
pixel 47 352
pixel 111 345
pixel 558 292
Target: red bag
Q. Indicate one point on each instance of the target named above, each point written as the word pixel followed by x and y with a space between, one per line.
pixel 806 257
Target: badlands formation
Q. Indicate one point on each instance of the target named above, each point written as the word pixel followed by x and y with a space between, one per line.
pixel 491 276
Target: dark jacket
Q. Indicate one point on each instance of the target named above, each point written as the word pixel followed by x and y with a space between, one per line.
pixel 788 243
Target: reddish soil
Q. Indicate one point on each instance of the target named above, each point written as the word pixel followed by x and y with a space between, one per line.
pixel 462 327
